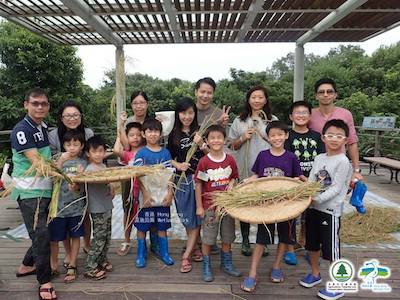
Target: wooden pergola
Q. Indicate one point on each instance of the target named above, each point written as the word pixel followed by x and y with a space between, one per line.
pixel 120 22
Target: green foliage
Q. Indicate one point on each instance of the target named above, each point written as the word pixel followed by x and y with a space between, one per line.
pixel 3 159
pixel 359 104
pixel 31 61
pixel 10 110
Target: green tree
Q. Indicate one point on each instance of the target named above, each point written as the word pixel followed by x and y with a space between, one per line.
pixel 28 61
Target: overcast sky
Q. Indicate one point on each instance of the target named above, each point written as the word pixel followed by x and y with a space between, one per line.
pixel 193 61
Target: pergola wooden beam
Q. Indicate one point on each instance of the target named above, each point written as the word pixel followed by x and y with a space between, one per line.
pixel 84 11
pixel 170 10
pixel 63 11
pixel 334 17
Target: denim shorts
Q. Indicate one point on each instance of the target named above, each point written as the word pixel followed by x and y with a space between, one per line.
pixel 61 228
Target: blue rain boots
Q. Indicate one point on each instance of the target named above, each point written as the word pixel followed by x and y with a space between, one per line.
pixel 227 266
pixel 207 272
pixel 154 243
pixel 164 255
pixel 141 253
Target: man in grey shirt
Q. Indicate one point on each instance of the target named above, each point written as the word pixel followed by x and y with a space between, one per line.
pixel 204 91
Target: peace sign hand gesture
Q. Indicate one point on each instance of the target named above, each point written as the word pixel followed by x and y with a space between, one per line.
pixel 224 119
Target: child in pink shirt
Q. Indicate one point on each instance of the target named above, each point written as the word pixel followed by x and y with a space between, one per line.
pixel 130 206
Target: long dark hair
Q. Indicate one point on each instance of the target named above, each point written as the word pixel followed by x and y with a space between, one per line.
pixel 184 104
pixel 247 108
pixel 61 128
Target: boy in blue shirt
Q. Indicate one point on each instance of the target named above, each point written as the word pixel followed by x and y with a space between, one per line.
pixel 154 212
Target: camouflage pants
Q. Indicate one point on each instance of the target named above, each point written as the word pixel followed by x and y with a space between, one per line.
pixel 101 223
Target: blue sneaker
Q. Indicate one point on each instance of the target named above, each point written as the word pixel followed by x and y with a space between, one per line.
pixel 249 284
pixel 324 294
pixel 310 280
pixel 290 258
pixel 277 275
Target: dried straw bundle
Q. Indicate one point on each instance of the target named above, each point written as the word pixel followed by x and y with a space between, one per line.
pixel 236 198
pixel 266 200
pixel 375 226
pixel 116 174
pixel 42 168
pixel 46 168
pixel 53 206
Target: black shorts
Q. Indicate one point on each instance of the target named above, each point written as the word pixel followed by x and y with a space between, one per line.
pixel 286 233
pixel 322 233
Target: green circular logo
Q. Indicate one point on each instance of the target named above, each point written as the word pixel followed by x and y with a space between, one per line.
pixel 342 270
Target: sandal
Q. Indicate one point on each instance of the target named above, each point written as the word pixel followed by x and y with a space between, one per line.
pixel 71 272
pixel 249 284
pixel 197 255
pixel 46 290
pixel 97 274
pixel 65 264
pixel 106 266
pixel 186 266
pixel 124 249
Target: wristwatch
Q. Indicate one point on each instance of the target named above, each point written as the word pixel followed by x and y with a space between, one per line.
pixel 357 170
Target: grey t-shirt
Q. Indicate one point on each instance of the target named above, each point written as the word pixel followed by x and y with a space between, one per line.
pixel 99 196
pixel 246 155
pixel 202 114
pixel 66 196
pixel 334 172
pixel 54 140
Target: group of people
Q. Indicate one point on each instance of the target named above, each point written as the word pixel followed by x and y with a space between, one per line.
pixel 256 145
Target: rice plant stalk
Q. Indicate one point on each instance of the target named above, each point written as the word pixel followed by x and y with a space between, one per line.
pixel 236 198
pixel 208 121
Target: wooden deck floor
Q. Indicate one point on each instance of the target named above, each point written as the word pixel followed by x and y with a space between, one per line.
pixel 159 282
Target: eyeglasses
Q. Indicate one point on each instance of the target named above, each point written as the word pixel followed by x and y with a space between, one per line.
pixel 43 104
pixel 71 116
pixel 322 92
pixel 331 136
pixel 301 113
pixel 140 103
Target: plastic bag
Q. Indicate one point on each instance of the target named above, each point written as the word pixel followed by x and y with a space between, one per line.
pixel 357 197
pixel 157 185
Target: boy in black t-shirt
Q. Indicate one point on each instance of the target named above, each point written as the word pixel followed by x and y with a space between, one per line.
pixel 306 144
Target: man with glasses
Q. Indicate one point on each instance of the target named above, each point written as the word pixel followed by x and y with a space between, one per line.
pixel 326 93
pixel 29 140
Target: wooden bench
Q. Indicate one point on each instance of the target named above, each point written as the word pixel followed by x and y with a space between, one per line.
pixel 392 164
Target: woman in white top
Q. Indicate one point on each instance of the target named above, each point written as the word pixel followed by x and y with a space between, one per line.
pixel 248 138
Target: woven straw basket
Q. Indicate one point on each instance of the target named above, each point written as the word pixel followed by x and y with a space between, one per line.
pixel 271 213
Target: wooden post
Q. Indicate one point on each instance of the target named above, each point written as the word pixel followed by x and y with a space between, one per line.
pixel 120 89
pixel 377 146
